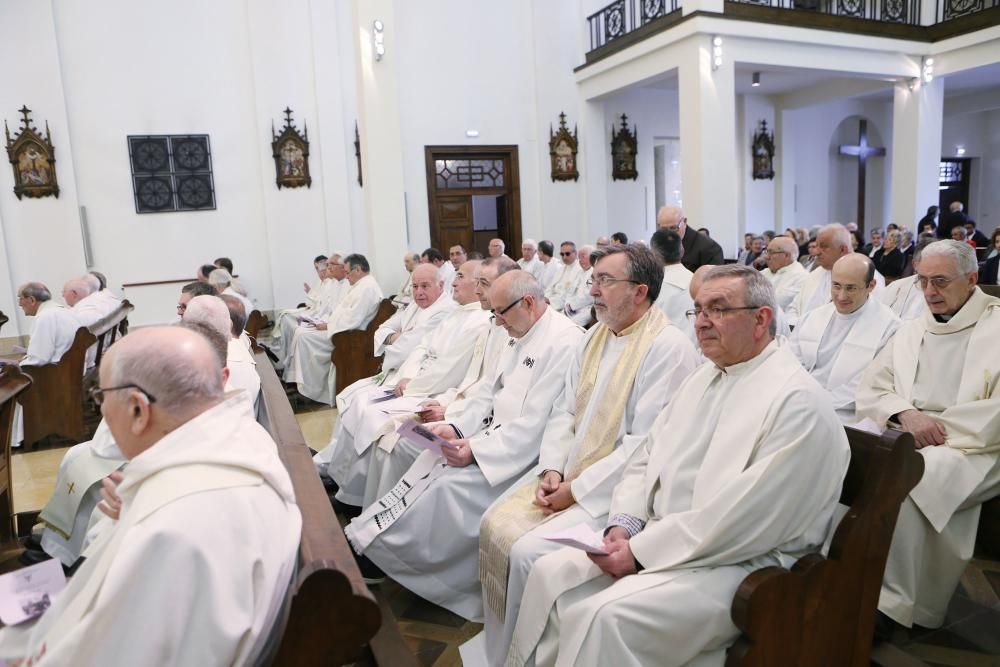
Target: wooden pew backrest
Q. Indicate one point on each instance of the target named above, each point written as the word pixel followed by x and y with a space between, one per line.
pixel 354 351
pixel 255 322
pixel 992 290
pixel 12 383
pixel 54 403
pixel 111 327
pixel 822 611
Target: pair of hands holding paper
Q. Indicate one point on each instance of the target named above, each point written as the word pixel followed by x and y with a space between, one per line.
pixel 458 452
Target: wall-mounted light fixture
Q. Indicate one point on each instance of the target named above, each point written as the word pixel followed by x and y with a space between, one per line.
pixel 959 150
pixel 755 80
pixel 472 134
pixel 928 70
pixel 378 39
pixel 716 52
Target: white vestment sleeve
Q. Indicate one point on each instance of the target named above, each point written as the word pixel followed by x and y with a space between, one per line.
pixel 348 319
pixel 877 398
pixel 557 442
pixel 391 326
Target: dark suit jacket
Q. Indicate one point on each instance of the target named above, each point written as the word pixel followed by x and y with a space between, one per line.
pixel 699 250
pixel 949 220
pixel 890 264
pixel 988 271
pixel 980 239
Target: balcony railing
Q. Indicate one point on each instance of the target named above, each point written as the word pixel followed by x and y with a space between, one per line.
pixel 623 16
pixel 888 11
pixel 953 9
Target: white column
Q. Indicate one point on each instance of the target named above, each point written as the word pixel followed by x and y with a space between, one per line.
pixel 595 169
pixel 708 141
pixel 916 150
pixel 381 142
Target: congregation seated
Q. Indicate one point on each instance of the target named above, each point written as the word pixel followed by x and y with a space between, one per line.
pixel 434 257
pixel 239 359
pixel 550 267
pixel 784 271
pixel 674 299
pixel 364 457
pixel 620 377
pixel 890 260
pixel 222 281
pixel 190 291
pixel 320 302
pixel 832 242
pixel 742 469
pixel 837 341
pixel 988 270
pixel 404 295
pixel 580 300
pixel 204 271
pixel 904 296
pixel 425 532
pixel 699 249
pixel 929 381
pixel 530 261
pixel 309 365
pixel 213 587
pixel 53 328
pixel 564 282
pixel 496 248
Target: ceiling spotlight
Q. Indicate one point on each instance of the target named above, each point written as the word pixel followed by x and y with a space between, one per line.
pixel 378 39
pixel 716 52
pixel 928 70
pixel 960 150
pixel 755 81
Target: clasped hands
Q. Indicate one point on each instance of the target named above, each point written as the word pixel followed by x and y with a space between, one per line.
pixel 553 494
pixel 927 431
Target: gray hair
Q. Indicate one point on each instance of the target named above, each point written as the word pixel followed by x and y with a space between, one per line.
pixel 37 291
pixel 641 265
pixel 502 264
pixel 524 284
pixel 218 342
pixel 530 242
pixel 961 253
pixel 211 311
pixel 79 286
pixel 896 235
pixel 839 234
pixel 788 245
pixel 220 278
pixel 173 380
pixel 759 291
pixel 102 281
pixel 237 314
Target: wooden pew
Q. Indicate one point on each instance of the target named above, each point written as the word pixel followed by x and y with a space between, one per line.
pixel 255 322
pixel 110 327
pixel 54 403
pixel 988 538
pixel 822 612
pixel 330 616
pixel 3 319
pixel 12 383
pixel 354 351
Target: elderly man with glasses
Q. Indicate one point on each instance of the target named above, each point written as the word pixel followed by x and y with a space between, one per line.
pixel 742 469
pixel 937 379
pixel 562 286
pixel 784 270
pixel 425 532
pixel 320 302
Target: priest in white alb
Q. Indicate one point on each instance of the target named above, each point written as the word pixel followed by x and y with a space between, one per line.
pixel 741 471
pixel 674 298
pixel 569 270
pixel 579 301
pixel 349 451
pixel 195 569
pixel 619 379
pixel 937 379
pixel 320 302
pixel 837 341
pixel 529 259
pixel 834 242
pixel 784 270
pixel 425 532
pixel 310 365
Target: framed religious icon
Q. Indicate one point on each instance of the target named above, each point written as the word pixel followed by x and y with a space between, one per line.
pixel 562 152
pixel 762 150
pixel 291 155
pixel 33 159
pixel 623 151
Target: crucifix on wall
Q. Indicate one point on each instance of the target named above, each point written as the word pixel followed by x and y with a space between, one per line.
pixel 862 151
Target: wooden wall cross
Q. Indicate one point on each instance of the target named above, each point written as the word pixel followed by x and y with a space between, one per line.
pixel 862 151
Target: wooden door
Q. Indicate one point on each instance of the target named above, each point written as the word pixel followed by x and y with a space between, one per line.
pixel 454 223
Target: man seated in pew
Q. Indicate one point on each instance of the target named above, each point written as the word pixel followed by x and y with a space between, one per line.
pixel 783 270
pixel 160 585
pixel 937 379
pixel 570 269
pixel 53 328
pixel 425 532
pixel 319 303
pixel 236 284
pixel 76 293
pixel 742 470
pixel 434 257
pixel 833 241
pixel 239 359
pixel 204 271
pixel 837 341
pixel 619 379
pixel 190 291
pixel 904 296
pixel 674 299
pixel 435 364
pixel 222 281
pixel 579 300
pixel 109 303
pixel 405 293
pixel 309 363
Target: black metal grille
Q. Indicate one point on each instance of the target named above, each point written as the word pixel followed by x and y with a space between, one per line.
pixel 888 11
pixel 171 173
pixel 461 174
pixel 953 9
pixel 623 16
pixel 950 172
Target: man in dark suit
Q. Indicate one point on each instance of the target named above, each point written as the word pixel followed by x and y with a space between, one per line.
pixel 954 217
pixel 699 249
pixel 974 234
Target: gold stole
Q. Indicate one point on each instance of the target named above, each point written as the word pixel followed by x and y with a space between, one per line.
pixel 514 516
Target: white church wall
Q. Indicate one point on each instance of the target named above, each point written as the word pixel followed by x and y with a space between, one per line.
pixel 758 196
pixel 989 206
pixel 969 131
pixel 42 237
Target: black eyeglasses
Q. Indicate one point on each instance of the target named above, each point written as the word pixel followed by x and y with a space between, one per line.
pixel 97 393
pixel 503 311
pixel 565 254
pixel 715 313
pixel 604 281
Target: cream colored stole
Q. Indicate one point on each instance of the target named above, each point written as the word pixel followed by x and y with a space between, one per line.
pixel 59 513
pixel 514 516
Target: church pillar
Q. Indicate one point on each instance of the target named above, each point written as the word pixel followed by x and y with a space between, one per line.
pixel 917 117
pixel 595 148
pixel 707 102
pixel 381 142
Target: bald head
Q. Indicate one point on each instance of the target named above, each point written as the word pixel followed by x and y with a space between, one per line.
pixel 853 279
pixel 672 218
pixel 698 278
pixel 212 311
pixel 75 290
pixel 93 281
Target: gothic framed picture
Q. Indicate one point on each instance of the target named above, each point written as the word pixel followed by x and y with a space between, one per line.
pixel 291 154
pixel 624 148
pixel 762 151
pixel 33 158
pixel 562 152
